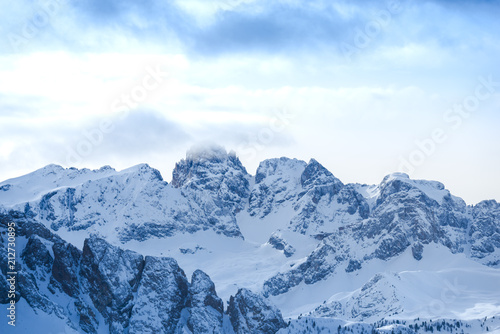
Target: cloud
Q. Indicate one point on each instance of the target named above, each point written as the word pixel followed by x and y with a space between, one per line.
pixel 287 28
pixel 21 106
pixel 274 28
pixel 139 19
pixel 139 134
pixel 87 26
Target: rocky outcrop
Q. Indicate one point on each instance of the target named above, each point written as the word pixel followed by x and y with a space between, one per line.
pixel 277 242
pixel 251 313
pixel 161 297
pixel 406 214
pixel 353 265
pixel 111 276
pixel 218 173
pixel 484 232
pixel 65 268
pixel 318 265
pixel 374 299
pixel 30 291
pixel 277 183
pixel 37 257
pixel 416 250
pixel 321 201
pixel 107 289
pixel 87 318
pixel 217 182
pixel 206 309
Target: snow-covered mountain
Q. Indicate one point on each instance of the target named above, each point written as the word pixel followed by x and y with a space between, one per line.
pixel 102 250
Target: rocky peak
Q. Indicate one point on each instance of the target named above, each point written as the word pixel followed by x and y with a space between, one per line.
pixel 484 231
pixel 398 183
pixel 316 200
pixel 277 181
pixel 251 313
pixel 37 257
pixel 216 180
pixel 395 176
pixel 487 206
pixel 316 175
pixel 161 297
pixel 282 168
pixel 142 172
pixel 209 152
pixel 111 277
pixel 205 166
pixel 202 292
pixel 393 184
pixel 318 181
pixel 50 169
pixel 206 309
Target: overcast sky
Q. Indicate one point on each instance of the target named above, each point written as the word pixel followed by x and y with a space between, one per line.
pixel 366 88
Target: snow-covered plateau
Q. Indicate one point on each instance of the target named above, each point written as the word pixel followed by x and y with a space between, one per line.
pixel 291 249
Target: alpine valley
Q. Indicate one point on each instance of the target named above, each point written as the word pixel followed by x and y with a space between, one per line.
pixel 291 249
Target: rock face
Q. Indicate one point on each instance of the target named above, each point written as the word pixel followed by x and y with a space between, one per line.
pixel 277 242
pixel 277 183
pixel 375 298
pixel 37 257
pixel 250 313
pixel 107 289
pixel 206 308
pixel 218 173
pixel 161 297
pixel 404 214
pixel 318 265
pixel 218 182
pixel 484 232
pixel 319 200
pixel 65 268
pixel 111 276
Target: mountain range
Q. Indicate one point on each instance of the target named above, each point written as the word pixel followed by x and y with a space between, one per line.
pixel 291 249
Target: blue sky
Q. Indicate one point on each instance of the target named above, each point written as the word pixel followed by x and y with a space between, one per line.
pixel 366 88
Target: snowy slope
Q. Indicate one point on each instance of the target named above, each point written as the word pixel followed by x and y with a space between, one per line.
pixel 33 186
pixel 445 286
